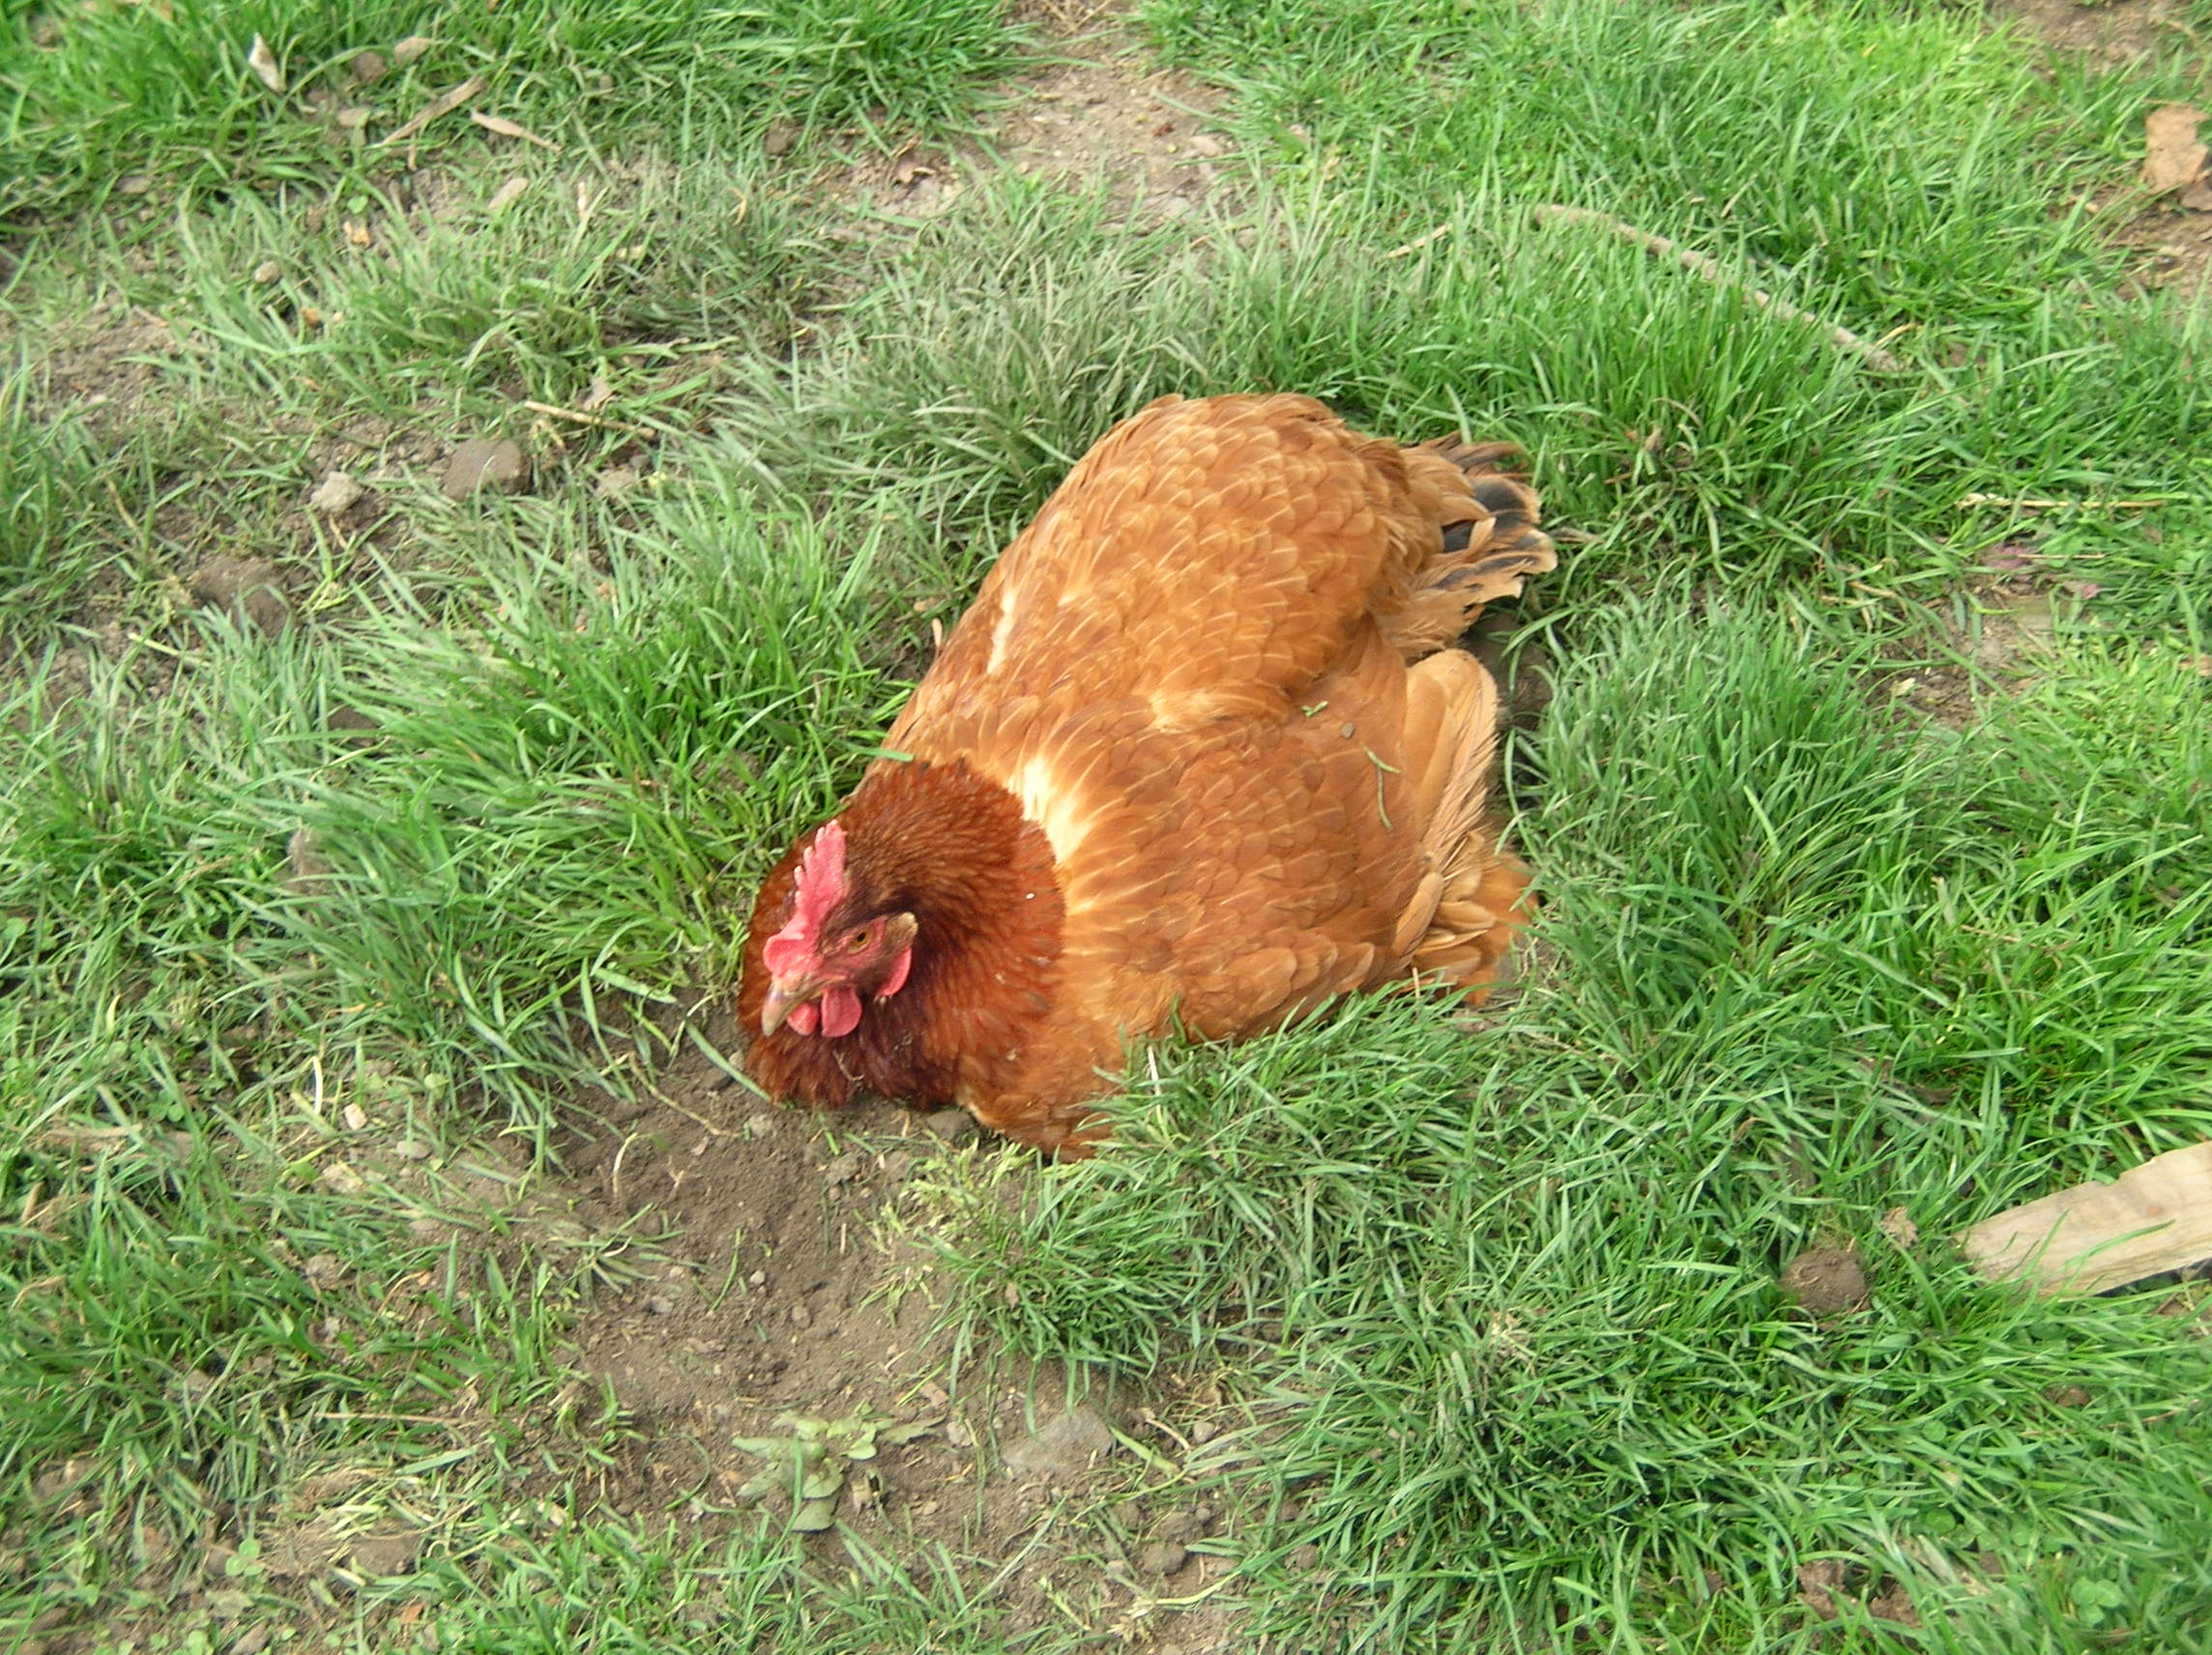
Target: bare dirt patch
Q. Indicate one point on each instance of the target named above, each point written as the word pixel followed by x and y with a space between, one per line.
pixel 784 1290
pixel 2122 35
pixel 1092 115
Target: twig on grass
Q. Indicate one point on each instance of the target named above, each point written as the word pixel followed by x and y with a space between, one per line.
pixel 1711 269
pixel 582 419
pixel 2027 503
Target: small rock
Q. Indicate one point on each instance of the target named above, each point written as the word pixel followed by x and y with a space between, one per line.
pixel 411 48
pixel 614 483
pixel 954 1125
pixel 266 271
pixel 841 1169
pixel 659 1304
pixel 485 462
pixel 412 1150
pixel 1826 1282
pixel 378 1556
pixel 369 68
pixel 304 856
pixel 778 141
pixel 253 1641
pixel 228 1604
pixel 1209 144
pixel 1178 1527
pixel 1896 1224
pixel 322 1271
pixel 133 184
pixel 1064 1448
pixel 1303 1558
pixel 248 588
pixel 2066 1396
pixel 758 1279
pixel 1204 1432
pixel 1160 1559
pixel 351 720
pixel 335 493
pixel 959 1433
pixel 801 1318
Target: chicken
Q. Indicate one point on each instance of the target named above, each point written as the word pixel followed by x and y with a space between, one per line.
pixel 1199 754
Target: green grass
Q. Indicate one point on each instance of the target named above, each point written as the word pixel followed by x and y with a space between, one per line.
pixel 1508 1305
pixel 1500 1305
pixel 166 96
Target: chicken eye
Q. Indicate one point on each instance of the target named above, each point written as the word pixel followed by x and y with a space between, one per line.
pixel 858 939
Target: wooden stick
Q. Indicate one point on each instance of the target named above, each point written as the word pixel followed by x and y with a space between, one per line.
pixel 1712 271
pixel 2154 1219
pixel 1420 242
pixel 583 419
pixel 2023 502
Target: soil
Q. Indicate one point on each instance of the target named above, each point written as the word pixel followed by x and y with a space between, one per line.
pixel 785 1273
pixel 1091 116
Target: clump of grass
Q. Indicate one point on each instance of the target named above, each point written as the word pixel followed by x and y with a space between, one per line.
pixel 640 275
pixel 46 470
pixel 565 807
pixel 111 90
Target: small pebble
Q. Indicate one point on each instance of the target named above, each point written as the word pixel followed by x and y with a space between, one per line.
pixel 335 493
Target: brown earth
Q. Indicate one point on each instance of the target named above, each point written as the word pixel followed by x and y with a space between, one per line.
pixel 791 1278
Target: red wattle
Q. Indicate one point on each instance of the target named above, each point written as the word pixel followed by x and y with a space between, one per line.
pixel 840 1011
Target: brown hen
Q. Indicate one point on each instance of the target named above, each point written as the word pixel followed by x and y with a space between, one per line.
pixel 1200 750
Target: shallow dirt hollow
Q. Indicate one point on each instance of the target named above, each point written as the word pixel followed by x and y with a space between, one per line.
pixel 779 1271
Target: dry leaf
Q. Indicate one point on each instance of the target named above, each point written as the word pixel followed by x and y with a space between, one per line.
pixel 2173 159
pixel 507 128
pixel 356 233
pixel 411 48
pixel 505 196
pixel 444 103
pixel 263 62
pixel 598 396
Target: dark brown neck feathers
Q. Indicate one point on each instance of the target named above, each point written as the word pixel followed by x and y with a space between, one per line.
pixel 951 847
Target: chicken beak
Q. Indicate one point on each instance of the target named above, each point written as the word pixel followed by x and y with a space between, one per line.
pixel 784 994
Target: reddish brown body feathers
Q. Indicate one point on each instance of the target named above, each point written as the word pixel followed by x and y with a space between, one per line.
pixel 1200 749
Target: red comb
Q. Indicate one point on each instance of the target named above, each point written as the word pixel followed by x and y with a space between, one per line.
pixel 820 887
